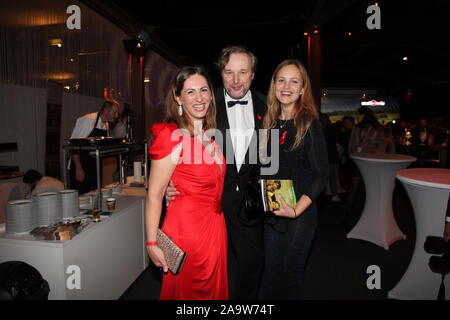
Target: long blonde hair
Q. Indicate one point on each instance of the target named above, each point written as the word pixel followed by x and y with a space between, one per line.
pixel 305 111
pixel 183 121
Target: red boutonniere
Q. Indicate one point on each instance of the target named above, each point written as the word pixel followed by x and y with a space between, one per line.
pixel 283 137
pixel 259 117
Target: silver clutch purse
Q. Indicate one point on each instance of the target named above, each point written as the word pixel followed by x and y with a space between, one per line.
pixel 173 254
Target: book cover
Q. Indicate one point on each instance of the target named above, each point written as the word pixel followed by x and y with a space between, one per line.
pixel 271 191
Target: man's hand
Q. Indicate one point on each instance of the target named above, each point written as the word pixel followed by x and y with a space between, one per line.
pixel 79 174
pixel 171 192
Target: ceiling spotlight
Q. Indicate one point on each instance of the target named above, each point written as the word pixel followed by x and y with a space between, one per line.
pixel 56 42
pixel 349 33
pixel 405 58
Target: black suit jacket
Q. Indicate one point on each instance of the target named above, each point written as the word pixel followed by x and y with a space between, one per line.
pixel 248 170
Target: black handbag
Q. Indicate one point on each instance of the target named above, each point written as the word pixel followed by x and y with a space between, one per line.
pixel 252 211
pixel 21 281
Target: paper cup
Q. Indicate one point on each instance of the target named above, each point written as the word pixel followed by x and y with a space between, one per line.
pixel 111 203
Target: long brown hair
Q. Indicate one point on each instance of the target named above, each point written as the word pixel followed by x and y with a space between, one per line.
pixel 183 121
pixel 305 110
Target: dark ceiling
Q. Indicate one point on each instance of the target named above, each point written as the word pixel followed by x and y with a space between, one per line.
pixel 366 58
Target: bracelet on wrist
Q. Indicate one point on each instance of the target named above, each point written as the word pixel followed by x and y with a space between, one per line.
pixel 151 243
pixel 447 219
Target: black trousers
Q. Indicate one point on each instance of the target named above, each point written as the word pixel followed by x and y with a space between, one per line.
pixel 89 166
pixel 245 253
pixel 286 255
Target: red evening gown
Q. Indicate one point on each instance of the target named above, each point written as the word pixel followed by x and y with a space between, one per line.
pixel 194 220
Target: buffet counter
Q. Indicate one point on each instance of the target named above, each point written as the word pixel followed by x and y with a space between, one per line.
pixel 101 262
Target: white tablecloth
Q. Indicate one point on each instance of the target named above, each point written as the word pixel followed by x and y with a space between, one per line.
pixel 428 190
pixel 377 223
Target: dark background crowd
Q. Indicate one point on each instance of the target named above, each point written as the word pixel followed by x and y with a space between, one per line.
pixel 424 138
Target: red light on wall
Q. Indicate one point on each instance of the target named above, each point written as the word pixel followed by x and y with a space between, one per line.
pixel 316 31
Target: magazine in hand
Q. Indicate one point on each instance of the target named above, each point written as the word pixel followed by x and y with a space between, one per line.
pixel 271 191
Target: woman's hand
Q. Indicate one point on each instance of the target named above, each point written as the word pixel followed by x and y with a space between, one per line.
pixel 157 257
pixel 286 210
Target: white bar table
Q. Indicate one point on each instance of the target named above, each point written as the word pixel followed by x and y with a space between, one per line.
pixel 428 190
pixel 377 223
pixel 110 254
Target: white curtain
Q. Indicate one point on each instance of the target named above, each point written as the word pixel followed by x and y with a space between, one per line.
pixel 87 60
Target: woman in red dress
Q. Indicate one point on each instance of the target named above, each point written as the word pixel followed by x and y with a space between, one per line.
pixel 182 152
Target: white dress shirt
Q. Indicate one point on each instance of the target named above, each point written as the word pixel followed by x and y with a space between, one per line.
pixel 85 124
pixel 242 125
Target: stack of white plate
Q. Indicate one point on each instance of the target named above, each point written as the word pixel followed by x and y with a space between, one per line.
pixel 70 203
pixel 49 208
pixel 21 216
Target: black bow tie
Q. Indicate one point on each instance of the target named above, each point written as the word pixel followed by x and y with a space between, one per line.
pixel 232 103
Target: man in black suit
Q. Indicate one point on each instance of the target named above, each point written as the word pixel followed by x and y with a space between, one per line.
pixel 239 116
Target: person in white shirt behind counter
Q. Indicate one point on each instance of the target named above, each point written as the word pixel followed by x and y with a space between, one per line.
pixel 83 170
pixel 40 184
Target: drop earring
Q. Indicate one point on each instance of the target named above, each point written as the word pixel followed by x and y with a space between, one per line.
pixel 180 110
